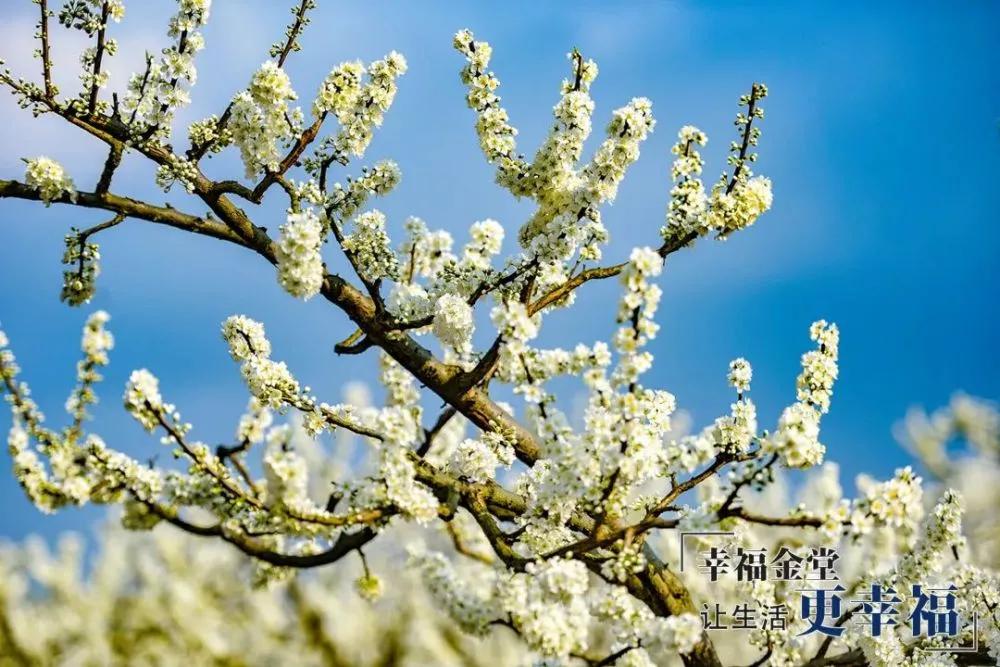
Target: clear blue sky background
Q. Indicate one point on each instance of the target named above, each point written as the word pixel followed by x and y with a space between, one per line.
pixel 881 137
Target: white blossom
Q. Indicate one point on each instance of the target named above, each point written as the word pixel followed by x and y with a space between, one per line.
pixel 154 95
pixel 300 263
pixel 49 178
pixel 246 338
pixel 819 367
pixel 740 374
pixel 143 400
pixel 682 633
pixel 512 320
pixel 453 324
pixel 796 439
pixel 731 211
pixel 261 121
pixel 369 247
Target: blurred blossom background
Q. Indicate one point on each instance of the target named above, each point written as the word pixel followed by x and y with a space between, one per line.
pixel 881 137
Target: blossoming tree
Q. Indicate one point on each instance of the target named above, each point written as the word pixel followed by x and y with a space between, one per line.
pixel 578 525
pixel 52 609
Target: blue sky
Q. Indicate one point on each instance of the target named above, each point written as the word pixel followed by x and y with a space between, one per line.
pixel 882 138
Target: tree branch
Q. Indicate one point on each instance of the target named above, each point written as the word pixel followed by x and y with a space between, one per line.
pixel 345 544
pixel 110 165
pixel 131 208
pixel 43 31
pixel 795 521
pixel 294 31
pixel 98 57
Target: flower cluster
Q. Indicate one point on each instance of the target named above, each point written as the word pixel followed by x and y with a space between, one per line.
pixel 627 562
pixel 739 208
pixel 340 90
pixel 428 252
pixel 359 108
pixel 562 201
pixel 49 178
pixel 91 17
pixel 735 202
pixel 453 324
pixel 369 587
pixel 143 400
pixel 210 134
pixel 298 252
pixel 496 135
pixel 740 374
pixel 512 320
pixel 261 122
pixel 636 311
pixel 941 535
pixel 176 169
pixel 548 605
pixel 553 168
pixel 894 503
pixel 369 247
pixel 154 95
pixel 344 202
pixel 629 126
pixel 733 433
pixel 688 201
pixel 796 440
pixel 682 633
pixel 478 460
pixel 68 478
pixel 269 381
pixel 819 367
pixel 82 257
pixel 246 338
pixel 97 341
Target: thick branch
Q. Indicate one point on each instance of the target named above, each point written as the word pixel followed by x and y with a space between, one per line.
pixel 793 521
pixel 131 208
pixel 114 159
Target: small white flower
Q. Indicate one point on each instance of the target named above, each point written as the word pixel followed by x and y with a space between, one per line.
pixel 740 374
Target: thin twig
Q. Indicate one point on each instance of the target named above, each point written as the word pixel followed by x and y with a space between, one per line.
pixel 43 29
pixel 294 31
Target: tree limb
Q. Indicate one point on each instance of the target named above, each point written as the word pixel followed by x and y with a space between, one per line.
pixel 132 208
